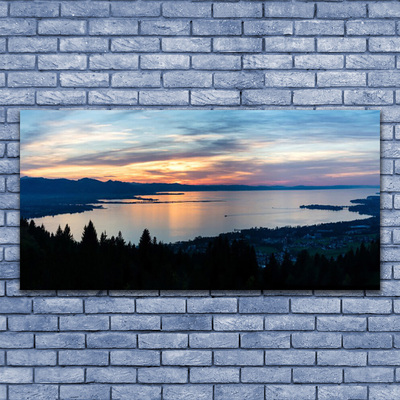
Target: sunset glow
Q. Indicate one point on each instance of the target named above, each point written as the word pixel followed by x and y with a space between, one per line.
pixel 203 147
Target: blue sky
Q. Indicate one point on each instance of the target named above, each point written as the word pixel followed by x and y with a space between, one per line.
pixel 254 147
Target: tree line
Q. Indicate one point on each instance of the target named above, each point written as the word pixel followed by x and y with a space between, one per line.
pixel 57 261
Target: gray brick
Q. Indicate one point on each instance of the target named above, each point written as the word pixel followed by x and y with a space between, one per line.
pixel 216 27
pixel 238 10
pixel 341 45
pixel 318 27
pixel 84 323
pixel 336 392
pixel 83 79
pixel 237 45
pixel 314 97
pixel 57 306
pixel 34 9
pixel 59 375
pixel 65 97
pixel 341 323
pixel 266 375
pixel 179 392
pixel 135 357
pixel 32 322
pixel 365 27
pixel 108 306
pixel 113 27
pixel 126 97
pixel 290 357
pixel 384 78
pixel 214 340
pixel 240 323
pixel 93 391
pixel 262 96
pixel 17 61
pixel 316 340
pixel 342 358
pixel 367 306
pixel 85 9
pixel 187 323
pixel 164 61
pixel 267 61
pixel 61 27
pixel 62 61
pixel 31 357
pixel 388 44
pixel 368 374
pixel 214 97
pixel 186 357
pixel 165 28
pixel 260 340
pixel 212 305
pixel 289 323
pixel 111 375
pixel 317 375
pixel 19 26
pixel 136 392
pixel 163 375
pixel 16 375
pixel 384 357
pixel 288 10
pixel 268 28
pixel 214 375
pixel 32 79
pixel 15 306
pixel 264 305
pixel 194 45
pixel 342 78
pixel 3 13
pixel 367 341
pixel 180 9
pixel 289 79
pixel 339 11
pixel 387 323
pixel 368 97
pixel 111 340
pixel 325 306
pixel 285 45
pixel 135 322
pixel 113 61
pixel 179 98
pixel 319 61
pixel 135 44
pixel 370 61
pixel 9 270
pixel 384 10
pixel 87 45
pixel 83 357
pixel 125 9
pixel 214 61
pixel 13 340
pixel 290 392
pixel 239 392
pixel 32 45
pixel 60 340
pixel 187 79
pixel 238 80
pixel 163 340
pixel 33 391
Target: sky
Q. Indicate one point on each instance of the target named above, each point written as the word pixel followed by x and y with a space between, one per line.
pixel 251 147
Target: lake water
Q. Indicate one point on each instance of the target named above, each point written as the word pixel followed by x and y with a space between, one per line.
pixel 185 216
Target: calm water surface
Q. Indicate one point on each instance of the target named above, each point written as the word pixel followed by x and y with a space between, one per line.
pixel 194 214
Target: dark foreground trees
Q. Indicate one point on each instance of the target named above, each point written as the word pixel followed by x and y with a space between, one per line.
pixel 57 261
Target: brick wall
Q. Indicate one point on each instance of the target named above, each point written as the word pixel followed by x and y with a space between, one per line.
pixel 199 345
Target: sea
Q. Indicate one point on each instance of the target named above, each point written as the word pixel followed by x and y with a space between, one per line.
pixel 186 215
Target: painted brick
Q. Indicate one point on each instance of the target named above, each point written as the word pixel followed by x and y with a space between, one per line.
pixel 263 305
pixel 113 61
pixel 212 305
pixel 59 375
pixel 60 340
pixel 179 392
pixel 16 340
pixel 368 97
pixel 342 358
pixel 179 98
pixel 286 45
pixel 367 341
pixel 318 27
pixel 316 340
pixel 62 61
pixel 194 45
pixel 84 79
pixel 93 391
pixel 61 27
pixel 135 322
pixel 113 27
pixel 110 375
pixel 135 44
pixel 266 375
pixel 87 45
pixel 341 45
pixel 214 61
pixel 371 61
pixel 290 357
pixel 164 61
pixel 345 10
pixel 289 323
pixel 135 357
pixel 342 78
pixel 290 392
pixel 384 44
pixel 319 61
pixel 367 306
pixel 15 306
pixel 32 79
pixel 324 306
pixel 239 10
pixel 16 375
pixel 265 61
pixel 341 323
pixel 31 357
pixel 342 392
pixel 268 28
pixel 289 79
pixel 237 45
pixel 241 323
pixel 33 392
pixel 261 340
pixel 186 357
pixel 101 306
pixel 239 392
pixel 136 392
pixel 313 97
pixel 163 340
pixel 214 340
pixel 179 9
pixel 111 340
pixel 186 79
pixel 162 375
pixel 19 26
pixel 64 97
pixel 83 357
pixel 214 375
pixel 365 27
pixel 382 10
pixel 187 323
pixel 34 9
pixel 122 9
pixel 317 375
pixel 287 10
pixel 32 322
pixel 216 27
pixel 262 96
pixel 214 97
pixel 165 27
pixel 31 45
pixel 368 374
pixel 14 61
pixel 84 322
pixel 383 357
pixel 85 9
pixel 384 78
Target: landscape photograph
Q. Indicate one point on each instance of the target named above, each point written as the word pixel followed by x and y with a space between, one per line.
pixel 200 199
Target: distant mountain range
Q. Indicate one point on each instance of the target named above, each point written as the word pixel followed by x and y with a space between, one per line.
pixel 94 188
